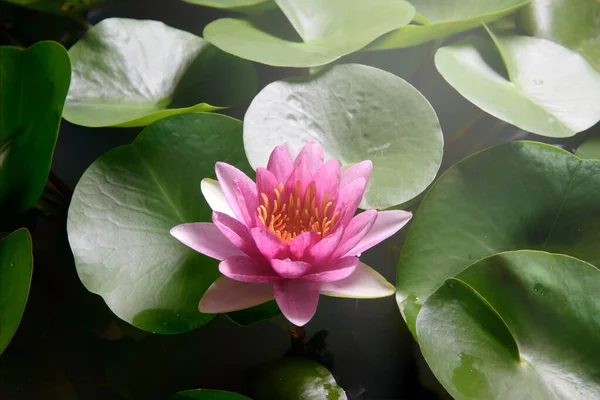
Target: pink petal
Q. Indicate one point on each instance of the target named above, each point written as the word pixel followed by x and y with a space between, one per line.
pixel 205 238
pixel 227 175
pixel 301 173
pixel 266 182
pixel 290 269
pixel 247 202
pixel 312 154
pixel 280 164
pixel 334 271
pixel 327 180
pixel 349 198
pixel 320 252
pixel 297 299
pixel 364 283
pixel 269 244
pixel 291 150
pixel 302 243
pixel 362 169
pixel 246 269
pixel 226 295
pixel 386 224
pixel 237 233
pixel 212 192
pixel 358 227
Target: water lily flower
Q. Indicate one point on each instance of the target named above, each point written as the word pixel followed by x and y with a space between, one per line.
pixel 292 236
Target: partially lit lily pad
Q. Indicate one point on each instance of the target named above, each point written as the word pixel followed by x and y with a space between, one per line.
pixel 16 265
pixel 438 19
pixel 34 84
pixel 295 378
pixel 589 150
pixel 519 195
pixel 519 325
pixel 537 85
pixel 126 203
pixel 573 23
pixel 325 30
pixel 131 73
pixel 357 113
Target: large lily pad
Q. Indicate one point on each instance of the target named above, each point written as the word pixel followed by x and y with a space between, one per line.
pixel 131 73
pixel 327 30
pixel 549 90
pixel 519 325
pixel 295 378
pixel 438 19
pixel 34 85
pixel 573 23
pixel 16 265
pixel 205 394
pixel 357 113
pixel 126 203
pixel 519 195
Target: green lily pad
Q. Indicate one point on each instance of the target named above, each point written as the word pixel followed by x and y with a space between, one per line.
pixel 439 19
pixel 131 73
pixel 245 6
pixel 126 203
pixel 518 195
pixel 34 85
pixel 589 150
pixel 205 394
pixel 16 266
pixel 327 30
pixel 517 325
pixel 573 23
pixel 357 113
pixel 295 378
pixel 550 90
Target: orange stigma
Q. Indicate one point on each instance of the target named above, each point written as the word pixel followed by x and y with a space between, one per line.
pixel 288 214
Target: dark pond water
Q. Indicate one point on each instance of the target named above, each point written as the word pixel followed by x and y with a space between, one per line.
pixel 70 346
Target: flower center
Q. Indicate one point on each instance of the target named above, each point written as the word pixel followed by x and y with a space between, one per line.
pixel 288 215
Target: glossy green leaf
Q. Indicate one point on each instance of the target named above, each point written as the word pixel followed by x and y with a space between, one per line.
pixel 16 266
pixel 518 195
pixel 357 113
pixel 256 314
pixel 327 30
pixel 246 6
pixel 295 378
pixel 589 150
pixel 549 90
pixel 573 23
pixel 34 85
pixel 126 203
pixel 519 325
pixel 205 394
pixel 56 6
pixel 438 19
pixel 131 73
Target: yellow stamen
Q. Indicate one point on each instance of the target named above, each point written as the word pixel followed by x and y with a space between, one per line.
pixel 299 214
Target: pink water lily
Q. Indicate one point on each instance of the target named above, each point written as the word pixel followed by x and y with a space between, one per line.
pixel 290 236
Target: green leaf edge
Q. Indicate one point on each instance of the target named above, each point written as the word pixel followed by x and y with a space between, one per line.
pixel 30 243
